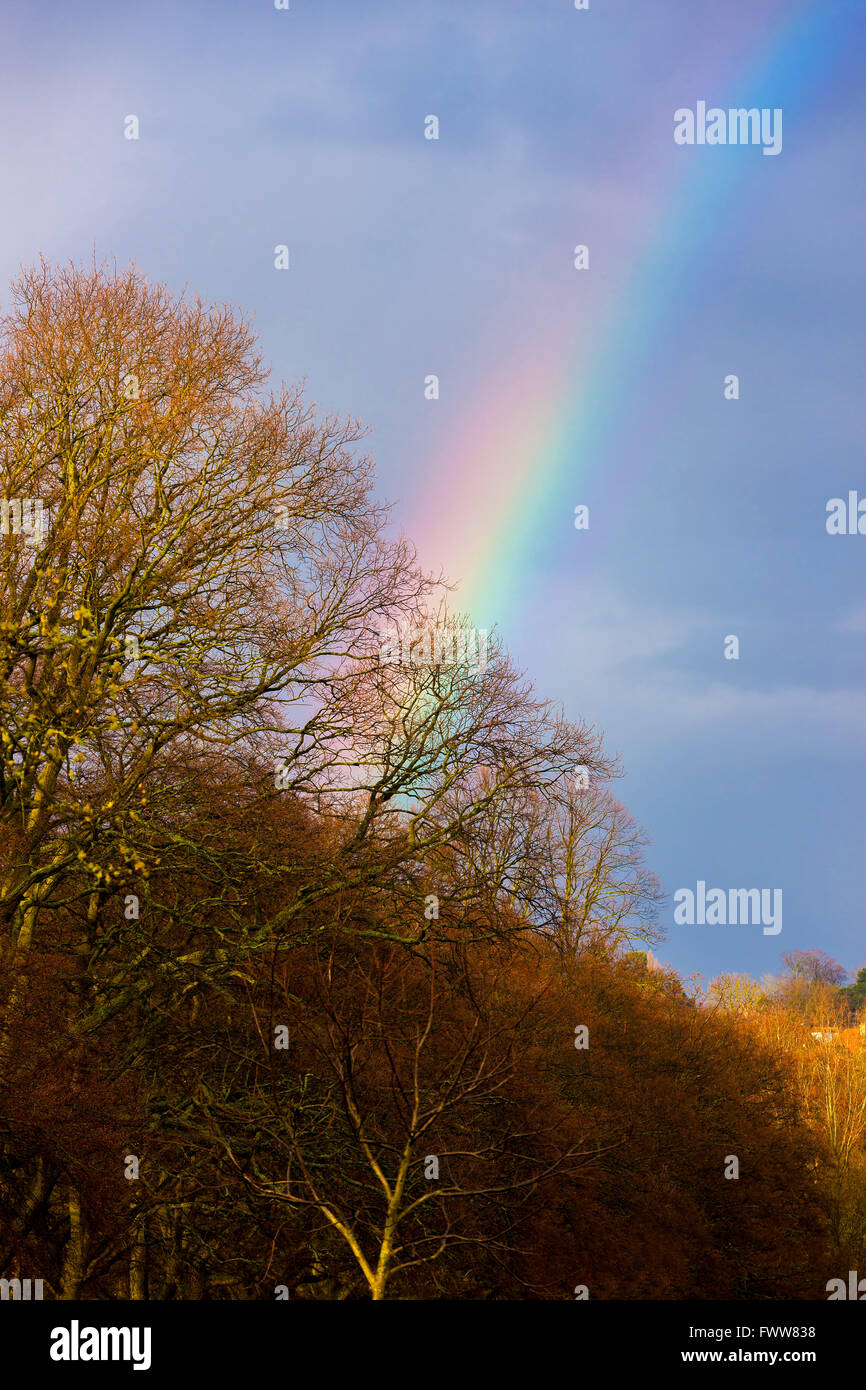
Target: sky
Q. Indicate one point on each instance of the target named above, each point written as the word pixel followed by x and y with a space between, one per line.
pixel 558 387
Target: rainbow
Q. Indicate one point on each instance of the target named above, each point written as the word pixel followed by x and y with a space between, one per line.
pixel 540 428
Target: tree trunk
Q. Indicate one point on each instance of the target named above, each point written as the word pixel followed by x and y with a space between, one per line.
pixel 72 1277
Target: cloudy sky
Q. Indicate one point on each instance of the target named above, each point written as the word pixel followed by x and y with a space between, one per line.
pixel 558 387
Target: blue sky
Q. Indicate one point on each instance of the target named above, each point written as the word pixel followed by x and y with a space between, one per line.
pixel 305 127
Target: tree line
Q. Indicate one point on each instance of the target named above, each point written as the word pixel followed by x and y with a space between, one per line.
pixel 319 967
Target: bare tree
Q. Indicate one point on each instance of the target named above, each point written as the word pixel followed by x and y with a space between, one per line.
pixel 432 755
pixel 206 558
pixel 565 858
pixel 396 1125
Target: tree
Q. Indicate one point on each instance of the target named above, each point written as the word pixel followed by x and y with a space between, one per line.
pixel 564 859
pixel 811 986
pixel 815 967
pixel 230 804
pixel 831 1081
pixel 197 559
pixel 161 609
pixel 394 1116
pixel 857 992
pixel 739 994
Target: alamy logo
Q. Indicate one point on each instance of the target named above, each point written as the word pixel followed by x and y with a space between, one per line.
pixel 20 1289
pixel 736 126
pixel 22 516
pixel 847 520
pixel 441 644
pixel 76 1343
pixel 855 1290
pixel 749 906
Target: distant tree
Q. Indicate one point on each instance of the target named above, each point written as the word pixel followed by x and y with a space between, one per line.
pixel 810 987
pixel 815 967
pixel 736 994
pixel 857 992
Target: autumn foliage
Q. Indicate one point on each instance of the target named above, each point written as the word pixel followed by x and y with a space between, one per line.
pixel 318 969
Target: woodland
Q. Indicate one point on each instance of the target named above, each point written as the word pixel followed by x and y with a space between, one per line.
pixel 324 974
